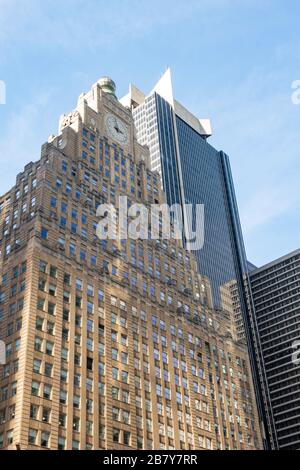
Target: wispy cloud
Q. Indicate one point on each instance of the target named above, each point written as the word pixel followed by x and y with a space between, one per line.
pixel 256 123
pixel 90 23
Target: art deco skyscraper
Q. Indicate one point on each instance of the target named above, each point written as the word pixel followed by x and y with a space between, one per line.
pixel 109 344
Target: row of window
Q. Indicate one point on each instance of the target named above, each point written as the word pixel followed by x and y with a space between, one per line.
pixel 18 194
pixel 42 438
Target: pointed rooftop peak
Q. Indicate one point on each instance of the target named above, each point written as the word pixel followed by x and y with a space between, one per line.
pixel 164 87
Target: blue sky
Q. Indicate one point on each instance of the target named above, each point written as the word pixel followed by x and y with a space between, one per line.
pixel 232 60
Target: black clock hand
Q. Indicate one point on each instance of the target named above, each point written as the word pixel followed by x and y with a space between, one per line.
pixel 116 127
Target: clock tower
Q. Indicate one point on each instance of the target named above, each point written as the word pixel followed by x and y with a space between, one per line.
pixel 100 111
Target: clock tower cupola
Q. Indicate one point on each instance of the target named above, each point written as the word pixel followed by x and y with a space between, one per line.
pixel 108 86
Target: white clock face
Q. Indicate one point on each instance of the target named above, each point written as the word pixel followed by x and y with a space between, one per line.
pixel 117 129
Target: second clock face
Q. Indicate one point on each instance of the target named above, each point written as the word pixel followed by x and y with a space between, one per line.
pixel 117 129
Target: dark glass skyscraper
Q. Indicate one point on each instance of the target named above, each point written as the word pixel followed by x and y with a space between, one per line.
pixel 193 172
pixel 204 181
